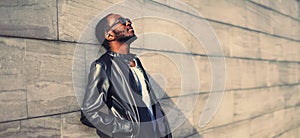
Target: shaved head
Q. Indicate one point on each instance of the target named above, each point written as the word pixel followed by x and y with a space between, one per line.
pixel 101 29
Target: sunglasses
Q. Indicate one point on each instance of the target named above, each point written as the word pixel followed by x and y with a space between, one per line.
pixel 121 20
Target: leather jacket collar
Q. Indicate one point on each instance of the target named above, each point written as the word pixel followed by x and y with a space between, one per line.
pixel 128 57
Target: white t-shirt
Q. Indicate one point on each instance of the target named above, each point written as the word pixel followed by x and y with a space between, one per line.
pixel 139 76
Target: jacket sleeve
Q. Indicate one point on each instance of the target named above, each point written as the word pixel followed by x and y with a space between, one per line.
pixel 95 100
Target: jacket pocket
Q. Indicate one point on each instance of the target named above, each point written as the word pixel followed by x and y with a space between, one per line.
pixel 121 110
pixel 117 108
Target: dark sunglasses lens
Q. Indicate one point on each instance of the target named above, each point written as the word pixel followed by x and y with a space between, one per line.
pixel 128 20
pixel 123 21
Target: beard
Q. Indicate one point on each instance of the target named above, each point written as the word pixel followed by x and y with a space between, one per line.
pixel 124 36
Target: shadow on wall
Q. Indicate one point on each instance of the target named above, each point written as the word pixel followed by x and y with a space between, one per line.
pixel 179 122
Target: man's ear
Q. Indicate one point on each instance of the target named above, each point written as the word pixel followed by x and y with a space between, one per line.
pixel 110 36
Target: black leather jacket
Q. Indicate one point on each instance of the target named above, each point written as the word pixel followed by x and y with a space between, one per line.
pixel 112 102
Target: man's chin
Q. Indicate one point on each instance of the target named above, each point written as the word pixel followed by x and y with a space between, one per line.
pixel 129 39
pixel 133 38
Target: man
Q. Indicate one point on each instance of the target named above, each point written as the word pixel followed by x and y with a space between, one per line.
pixel 119 101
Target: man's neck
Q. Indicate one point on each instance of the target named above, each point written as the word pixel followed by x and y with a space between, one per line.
pixel 118 47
